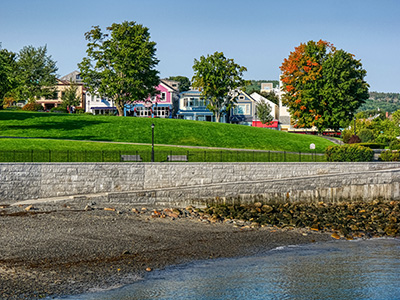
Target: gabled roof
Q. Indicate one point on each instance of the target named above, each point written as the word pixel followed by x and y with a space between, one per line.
pixel 257 97
pixel 242 93
pixel 167 85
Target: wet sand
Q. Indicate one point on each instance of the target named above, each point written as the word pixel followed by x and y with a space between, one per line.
pixel 69 248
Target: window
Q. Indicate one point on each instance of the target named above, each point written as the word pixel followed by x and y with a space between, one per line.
pixel 163 97
pixel 143 111
pixel 185 102
pixel 78 77
pixel 241 97
pixel 161 112
pixel 55 95
pixel 242 109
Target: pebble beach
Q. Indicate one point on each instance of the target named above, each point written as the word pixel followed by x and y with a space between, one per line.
pixel 55 249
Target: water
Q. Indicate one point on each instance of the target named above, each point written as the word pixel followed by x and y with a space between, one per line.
pixel 335 270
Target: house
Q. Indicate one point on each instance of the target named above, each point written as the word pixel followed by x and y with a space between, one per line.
pixel 159 106
pixel 244 111
pixel 62 85
pixel 97 105
pixel 274 113
pixel 193 107
pixel 284 115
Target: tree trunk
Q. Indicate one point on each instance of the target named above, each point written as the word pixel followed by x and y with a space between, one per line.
pixel 217 117
pixel 120 109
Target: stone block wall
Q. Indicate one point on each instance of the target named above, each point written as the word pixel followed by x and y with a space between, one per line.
pixel 198 182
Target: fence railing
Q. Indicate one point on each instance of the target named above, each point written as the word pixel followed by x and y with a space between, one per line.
pixel 159 156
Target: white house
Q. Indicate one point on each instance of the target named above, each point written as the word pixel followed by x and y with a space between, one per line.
pixel 274 112
pixel 97 105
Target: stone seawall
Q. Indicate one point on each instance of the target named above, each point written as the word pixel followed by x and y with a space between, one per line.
pixel 181 183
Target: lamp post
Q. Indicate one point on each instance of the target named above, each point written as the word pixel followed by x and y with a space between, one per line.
pixel 354 125
pixel 152 142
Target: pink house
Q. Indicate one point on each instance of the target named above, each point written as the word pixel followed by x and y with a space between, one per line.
pixel 159 106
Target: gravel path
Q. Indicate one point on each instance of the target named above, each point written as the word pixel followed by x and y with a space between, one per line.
pixel 67 248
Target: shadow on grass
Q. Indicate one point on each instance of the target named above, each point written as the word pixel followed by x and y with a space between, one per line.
pixel 12 115
pixel 66 129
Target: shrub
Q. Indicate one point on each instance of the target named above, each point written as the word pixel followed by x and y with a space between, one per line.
pixel 366 135
pixel 385 139
pixel 79 110
pixel 394 145
pixel 354 140
pixel 32 106
pixel 351 153
pixel 373 145
pixel 59 109
pixel 346 135
pixel 389 155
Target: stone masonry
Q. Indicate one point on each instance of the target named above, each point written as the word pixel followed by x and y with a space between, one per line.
pixel 199 183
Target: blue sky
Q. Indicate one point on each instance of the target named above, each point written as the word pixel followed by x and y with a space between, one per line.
pixel 256 34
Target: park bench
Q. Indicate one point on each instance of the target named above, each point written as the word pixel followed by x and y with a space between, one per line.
pixel 131 158
pixel 177 158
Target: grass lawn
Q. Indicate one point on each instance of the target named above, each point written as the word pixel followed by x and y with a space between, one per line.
pixel 138 130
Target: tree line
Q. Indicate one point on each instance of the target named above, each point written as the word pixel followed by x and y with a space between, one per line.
pixel 323 86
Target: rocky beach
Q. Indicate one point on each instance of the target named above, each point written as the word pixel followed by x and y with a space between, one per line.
pixel 62 248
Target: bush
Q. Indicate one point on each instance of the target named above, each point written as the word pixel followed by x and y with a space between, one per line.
pixel 354 140
pixel 390 155
pixel 33 106
pixel 373 145
pixel 350 153
pixel 346 135
pixel 79 110
pixel 59 109
pixel 366 135
pixel 394 145
pixel 385 139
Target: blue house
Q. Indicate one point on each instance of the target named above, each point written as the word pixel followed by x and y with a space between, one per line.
pixel 244 111
pixel 193 107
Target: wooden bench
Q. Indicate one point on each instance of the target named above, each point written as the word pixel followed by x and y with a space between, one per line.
pixel 177 158
pixel 131 158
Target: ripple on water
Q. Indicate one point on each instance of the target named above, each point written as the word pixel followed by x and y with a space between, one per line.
pixel 368 269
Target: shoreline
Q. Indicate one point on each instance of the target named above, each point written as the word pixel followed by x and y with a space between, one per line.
pixel 59 249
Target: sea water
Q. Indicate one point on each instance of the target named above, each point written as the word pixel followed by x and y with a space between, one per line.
pixel 362 269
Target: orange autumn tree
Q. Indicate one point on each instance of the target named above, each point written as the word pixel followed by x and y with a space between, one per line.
pixel 322 86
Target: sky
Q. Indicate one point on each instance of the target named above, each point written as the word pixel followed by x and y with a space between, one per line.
pixel 257 34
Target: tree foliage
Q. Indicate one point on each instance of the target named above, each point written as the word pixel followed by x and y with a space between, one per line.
pixel 264 112
pixel 217 76
pixel 70 96
pixel 271 96
pixel 120 65
pixel 184 82
pixel 323 86
pixel 7 65
pixel 35 74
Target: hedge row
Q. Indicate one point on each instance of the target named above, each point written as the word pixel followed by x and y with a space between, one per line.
pixel 351 153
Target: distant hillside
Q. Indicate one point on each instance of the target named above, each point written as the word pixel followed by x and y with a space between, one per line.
pixel 384 101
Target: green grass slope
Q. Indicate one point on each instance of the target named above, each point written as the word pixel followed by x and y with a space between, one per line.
pixel 138 130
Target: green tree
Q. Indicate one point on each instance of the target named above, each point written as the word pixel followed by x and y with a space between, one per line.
pixel 264 112
pixel 184 82
pixel 217 76
pixel 323 86
pixel 70 96
pixel 7 81
pixel 120 65
pixel 271 96
pixel 35 73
